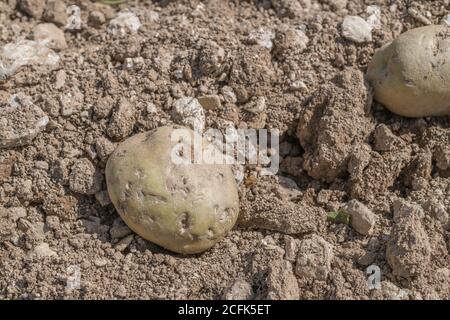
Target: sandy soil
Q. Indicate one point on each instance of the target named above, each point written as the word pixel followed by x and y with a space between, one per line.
pixel 57 225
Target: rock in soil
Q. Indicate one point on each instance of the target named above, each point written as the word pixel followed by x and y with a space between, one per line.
pixel 362 219
pixel 239 290
pixel 281 281
pixel 356 29
pixel 314 258
pixel 15 55
pixel 408 250
pixel 20 123
pixel 50 35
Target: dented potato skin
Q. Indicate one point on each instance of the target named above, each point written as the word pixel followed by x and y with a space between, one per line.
pixel 185 208
pixel 411 75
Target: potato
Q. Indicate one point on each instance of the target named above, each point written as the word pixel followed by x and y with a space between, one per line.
pixel 186 208
pixel 411 75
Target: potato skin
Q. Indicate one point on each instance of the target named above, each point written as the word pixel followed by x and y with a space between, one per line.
pixel 411 75
pixel 185 208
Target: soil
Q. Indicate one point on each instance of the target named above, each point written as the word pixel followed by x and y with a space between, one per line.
pixel 337 144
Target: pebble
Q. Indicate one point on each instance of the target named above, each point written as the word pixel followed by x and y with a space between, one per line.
pixel 391 292
pixel 15 213
pixel 356 29
pixel 100 262
pixel 43 251
pixel 189 112
pixel 102 197
pixel 256 105
pixel 60 79
pixel 289 39
pixel 374 18
pixel 438 211
pixel 228 94
pixel 298 85
pixel 20 124
pixel 314 258
pixel 290 248
pixel 210 102
pixel 104 148
pixel 94 225
pixel 261 37
pixel 124 23
pixel 258 121
pixel 385 140
pixel 404 209
pixel 96 19
pixel 25 52
pixel 84 177
pixel 124 243
pixel 50 35
pixel 288 188
pixel 239 290
pixel 119 229
pixel 122 120
pixel 362 219
pixel 71 102
pixel 43 165
pixel 416 15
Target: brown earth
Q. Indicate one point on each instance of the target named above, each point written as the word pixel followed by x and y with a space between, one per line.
pixel 337 145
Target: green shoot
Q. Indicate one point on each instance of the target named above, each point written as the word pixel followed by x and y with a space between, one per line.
pixel 339 216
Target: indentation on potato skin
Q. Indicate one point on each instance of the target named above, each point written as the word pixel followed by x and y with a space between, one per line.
pixel 151 219
pixel 184 223
pixel 153 198
pixel 139 173
pixel 179 186
pixel 409 83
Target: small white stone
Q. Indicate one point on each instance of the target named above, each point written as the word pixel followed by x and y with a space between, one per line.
pixel 125 21
pixel 188 111
pixel 298 85
pixel 25 52
pixel 261 37
pixel 151 108
pixel 374 18
pixel 356 29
